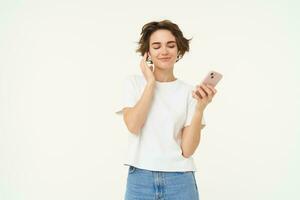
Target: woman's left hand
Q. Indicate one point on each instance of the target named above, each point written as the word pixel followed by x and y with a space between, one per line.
pixel 203 94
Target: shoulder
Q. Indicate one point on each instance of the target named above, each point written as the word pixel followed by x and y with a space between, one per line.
pixel 134 81
pixel 187 90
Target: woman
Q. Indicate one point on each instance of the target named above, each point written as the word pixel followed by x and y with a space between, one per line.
pixel 164 116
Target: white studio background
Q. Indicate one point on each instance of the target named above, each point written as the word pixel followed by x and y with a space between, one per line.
pixel 61 68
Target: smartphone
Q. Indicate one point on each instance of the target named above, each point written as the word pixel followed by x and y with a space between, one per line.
pixel 212 78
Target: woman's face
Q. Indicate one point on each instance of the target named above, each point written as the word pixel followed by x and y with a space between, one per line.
pixel 163 49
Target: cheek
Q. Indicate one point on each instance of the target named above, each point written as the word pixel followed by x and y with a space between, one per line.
pixel 153 53
pixel 173 52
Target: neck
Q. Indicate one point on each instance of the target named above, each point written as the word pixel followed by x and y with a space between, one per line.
pixel 164 75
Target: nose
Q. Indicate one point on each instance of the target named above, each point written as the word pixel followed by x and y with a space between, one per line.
pixel 164 51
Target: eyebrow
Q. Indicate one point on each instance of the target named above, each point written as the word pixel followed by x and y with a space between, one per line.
pixel 160 43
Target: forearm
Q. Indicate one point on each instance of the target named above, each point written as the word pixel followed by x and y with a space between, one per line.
pixel 137 116
pixel 191 139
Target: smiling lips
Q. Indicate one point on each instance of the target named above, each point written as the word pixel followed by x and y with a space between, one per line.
pixel 165 59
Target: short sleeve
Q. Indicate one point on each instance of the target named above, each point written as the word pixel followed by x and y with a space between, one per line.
pixel 129 94
pixel 191 106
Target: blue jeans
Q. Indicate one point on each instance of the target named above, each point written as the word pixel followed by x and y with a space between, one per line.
pixel 155 185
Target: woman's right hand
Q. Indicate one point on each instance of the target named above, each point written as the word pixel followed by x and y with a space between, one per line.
pixel 147 71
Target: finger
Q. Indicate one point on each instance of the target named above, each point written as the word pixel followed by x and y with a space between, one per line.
pixel 210 96
pixel 142 65
pixel 207 90
pixel 212 88
pixel 143 60
pixel 196 90
pixel 197 93
pixel 145 56
pixel 149 68
pixel 201 92
pixel 196 96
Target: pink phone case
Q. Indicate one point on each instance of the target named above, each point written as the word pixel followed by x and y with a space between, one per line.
pixel 212 78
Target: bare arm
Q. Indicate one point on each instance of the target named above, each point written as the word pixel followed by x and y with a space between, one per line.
pixel 136 116
pixel 191 135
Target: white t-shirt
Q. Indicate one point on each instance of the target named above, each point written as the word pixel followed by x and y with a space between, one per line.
pixel 157 146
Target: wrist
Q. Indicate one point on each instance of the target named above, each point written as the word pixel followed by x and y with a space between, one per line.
pixel 200 108
pixel 150 84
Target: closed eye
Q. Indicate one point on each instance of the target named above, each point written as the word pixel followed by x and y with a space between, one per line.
pixel 168 46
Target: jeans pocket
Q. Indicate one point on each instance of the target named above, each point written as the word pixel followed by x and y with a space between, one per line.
pixel 131 169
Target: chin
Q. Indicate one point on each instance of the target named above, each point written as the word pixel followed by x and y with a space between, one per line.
pixel 165 65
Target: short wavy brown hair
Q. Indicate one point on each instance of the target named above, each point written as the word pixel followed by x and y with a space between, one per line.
pixel 151 27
